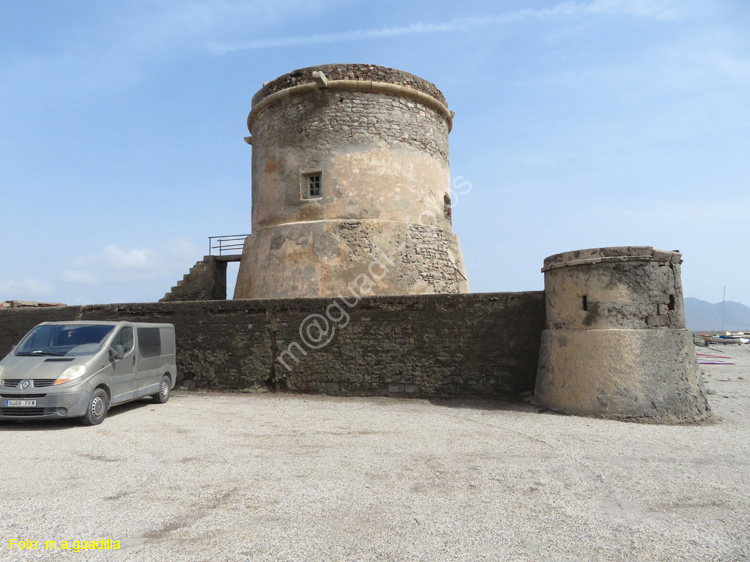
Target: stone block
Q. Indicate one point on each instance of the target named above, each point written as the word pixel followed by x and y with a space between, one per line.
pixel 657 321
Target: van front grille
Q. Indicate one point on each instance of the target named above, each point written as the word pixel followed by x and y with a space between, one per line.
pixel 27 411
pixel 38 383
pixel 23 396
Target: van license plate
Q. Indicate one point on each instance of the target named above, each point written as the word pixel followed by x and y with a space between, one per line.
pixel 20 403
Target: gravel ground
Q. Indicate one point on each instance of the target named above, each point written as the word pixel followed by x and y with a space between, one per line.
pixel 218 477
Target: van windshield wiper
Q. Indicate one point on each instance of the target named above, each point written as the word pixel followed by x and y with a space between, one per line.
pixel 40 352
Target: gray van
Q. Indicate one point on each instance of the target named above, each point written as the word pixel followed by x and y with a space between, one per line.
pixel 79 369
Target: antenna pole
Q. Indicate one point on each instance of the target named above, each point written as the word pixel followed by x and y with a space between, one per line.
pixel 723 303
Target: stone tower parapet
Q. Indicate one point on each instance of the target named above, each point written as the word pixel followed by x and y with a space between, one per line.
pixel 350 169
pixel 355 72
pixel 615 343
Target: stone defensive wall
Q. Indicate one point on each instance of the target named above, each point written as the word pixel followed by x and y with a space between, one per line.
pixel 419 345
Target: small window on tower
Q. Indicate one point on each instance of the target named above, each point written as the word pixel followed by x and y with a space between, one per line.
pixel 447 207
pixel 311 185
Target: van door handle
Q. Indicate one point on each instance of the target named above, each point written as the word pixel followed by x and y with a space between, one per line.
pixel 134 359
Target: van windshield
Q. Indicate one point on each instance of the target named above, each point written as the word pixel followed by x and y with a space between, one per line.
pixel 70 340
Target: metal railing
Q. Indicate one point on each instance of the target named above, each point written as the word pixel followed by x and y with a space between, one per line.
pixel 229 244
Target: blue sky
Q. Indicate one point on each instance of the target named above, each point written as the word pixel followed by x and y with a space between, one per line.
pixel 578 124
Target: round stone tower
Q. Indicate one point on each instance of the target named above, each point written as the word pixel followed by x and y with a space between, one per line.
pixel 351 187
pixel 615 343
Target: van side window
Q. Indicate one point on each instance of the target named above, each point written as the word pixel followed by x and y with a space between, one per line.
pixel 124 338
pixel 149 342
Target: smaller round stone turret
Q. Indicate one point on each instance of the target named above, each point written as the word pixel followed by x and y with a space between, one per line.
pixel 615 343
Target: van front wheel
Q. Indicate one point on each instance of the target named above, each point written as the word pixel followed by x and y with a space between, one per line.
pixel 98 408
pixel 162 396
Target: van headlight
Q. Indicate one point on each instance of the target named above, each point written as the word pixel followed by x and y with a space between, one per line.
pixel 71 373
pixel 1 374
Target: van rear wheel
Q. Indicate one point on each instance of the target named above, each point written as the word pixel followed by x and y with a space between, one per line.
pixel 98 408
pixel 162 396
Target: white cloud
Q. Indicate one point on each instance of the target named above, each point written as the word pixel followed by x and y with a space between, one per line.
pixel 28 289
pixel 657 9
pixel 115 264
pixel 75 276
pixel 137 259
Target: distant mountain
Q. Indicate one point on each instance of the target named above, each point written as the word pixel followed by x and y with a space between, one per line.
pixel 704 316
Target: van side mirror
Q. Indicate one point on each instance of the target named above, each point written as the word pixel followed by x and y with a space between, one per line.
pixel 116 352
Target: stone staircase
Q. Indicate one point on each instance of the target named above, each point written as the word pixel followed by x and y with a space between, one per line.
pixel 206 280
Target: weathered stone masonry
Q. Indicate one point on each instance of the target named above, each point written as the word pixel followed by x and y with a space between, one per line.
pixel 422 345
pixel 351 182
pixel 206 280
pixel 376 139
pixel 615 342
pixel 357 119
